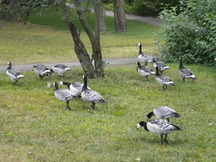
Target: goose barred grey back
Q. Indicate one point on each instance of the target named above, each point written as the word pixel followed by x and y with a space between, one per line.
pixel 161 66
pixel 64 95
pixel 142 57
pixel 163 80
pixel 90 95
pixel 160 127
pixel 60 69
pixel 41 70
pixel 104 62
pixel 13 74
pixel 185 72
pixel 76 88
pixel 144 70
pixel 163 112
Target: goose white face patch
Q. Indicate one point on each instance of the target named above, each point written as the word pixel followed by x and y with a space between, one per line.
pixel 138 126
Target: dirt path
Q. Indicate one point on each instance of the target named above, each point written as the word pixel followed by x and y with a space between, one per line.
pixel 145 19
pixel 113 62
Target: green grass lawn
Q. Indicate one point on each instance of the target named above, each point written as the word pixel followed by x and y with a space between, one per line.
pixel 47 39
pixel 34 126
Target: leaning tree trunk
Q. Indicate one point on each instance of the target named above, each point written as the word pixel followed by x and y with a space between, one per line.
pixel 79 47
pixel 119 16
pixel 94 38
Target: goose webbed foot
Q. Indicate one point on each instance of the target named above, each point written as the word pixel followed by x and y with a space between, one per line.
pixel 93 105
pixel 67 106
pixel 164 87
pixel 165 139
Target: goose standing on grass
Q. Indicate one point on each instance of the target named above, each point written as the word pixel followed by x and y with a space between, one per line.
pixel 159 126
pixel 13 73
pixel 163 112
pixel 185 72
pixel 142 57
pixel 161 66
pixel 60 69
pixel 76 88
pixel 41 70
pixel 90 95
pixel 64 95
pixel 104 62
pixel 163 80
pixel 144 71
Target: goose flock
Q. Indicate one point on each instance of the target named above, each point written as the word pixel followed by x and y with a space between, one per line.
pixel 80 91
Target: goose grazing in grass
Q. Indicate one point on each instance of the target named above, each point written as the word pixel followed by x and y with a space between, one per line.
pixel 60 69
pixel 41 70
pixel 104 62
pixel 142 57
pixel 90 95
pixel 161 66
pixel 163 112
pixel 13 73
pixel 76 88
pixel 144 71
pixel 159 126
pixel 185 72
pixel 64 95
pixel 163 80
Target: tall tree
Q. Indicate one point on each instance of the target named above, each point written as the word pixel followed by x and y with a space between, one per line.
pixel 94 37
pixel 119 16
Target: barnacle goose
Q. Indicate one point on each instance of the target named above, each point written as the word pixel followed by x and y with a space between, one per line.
pixel 60 69
pixel 41 70
pixel 64 95
pixel 163 112
pixel 104 62
pixel 161 66
pixel 13 73
pixel 185 72
pixel 142 57
pixel 159 126
pixel 163 80
pixel 90 95
pixel 144 70
pixel 76 87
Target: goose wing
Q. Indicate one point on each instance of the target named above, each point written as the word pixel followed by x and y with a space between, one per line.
pixel 64 94
pixel 61 66
pixel 163 127
pixel 186 72
pixel 165 112
pixel 92 96
pixel 13 72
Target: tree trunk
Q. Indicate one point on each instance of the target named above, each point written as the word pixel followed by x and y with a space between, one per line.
pixel 94 38
pixel 119 16
pixel 102 21
pixel 97 55
pixel 14 11
pixel 79 47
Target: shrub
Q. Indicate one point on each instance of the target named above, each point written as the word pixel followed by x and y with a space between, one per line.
pixel 190 31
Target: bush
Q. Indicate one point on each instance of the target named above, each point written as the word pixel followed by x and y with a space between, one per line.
pixel 190 31
pixel 147 7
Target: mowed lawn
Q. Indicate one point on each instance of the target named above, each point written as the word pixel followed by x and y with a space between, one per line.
pixel 34 126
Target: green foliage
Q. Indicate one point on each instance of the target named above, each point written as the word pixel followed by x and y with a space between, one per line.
pixel 20 10
pixel 147 7
pixel 192 32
